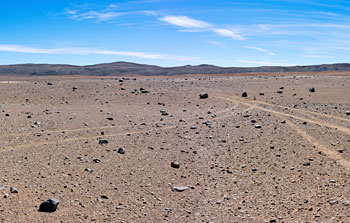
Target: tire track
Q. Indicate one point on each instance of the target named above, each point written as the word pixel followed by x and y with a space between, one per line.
pixel 103 127
pixel 27 145
pixel 305 112
pixel 317 121
pixel 325 150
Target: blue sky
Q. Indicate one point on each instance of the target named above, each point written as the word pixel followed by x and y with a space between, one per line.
pixel 176 32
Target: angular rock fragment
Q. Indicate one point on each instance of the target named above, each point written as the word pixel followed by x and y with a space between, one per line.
pixel 49 205
pixel 102 141
pixel 179 189
pixel 175 165
pixel 203 96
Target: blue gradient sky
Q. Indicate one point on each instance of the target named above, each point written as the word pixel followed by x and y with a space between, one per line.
pixel 175 32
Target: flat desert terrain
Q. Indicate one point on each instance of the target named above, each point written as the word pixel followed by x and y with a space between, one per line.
pixel 110 153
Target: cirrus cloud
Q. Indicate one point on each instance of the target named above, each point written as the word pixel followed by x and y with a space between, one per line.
pixel 194 25
pixel 87 51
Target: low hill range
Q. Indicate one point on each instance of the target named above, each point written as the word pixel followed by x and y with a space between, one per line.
pixel 127 68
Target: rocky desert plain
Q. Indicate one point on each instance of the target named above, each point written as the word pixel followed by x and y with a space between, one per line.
pixel 149 149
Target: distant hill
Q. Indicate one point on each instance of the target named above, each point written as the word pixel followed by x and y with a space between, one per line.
pixel 125 68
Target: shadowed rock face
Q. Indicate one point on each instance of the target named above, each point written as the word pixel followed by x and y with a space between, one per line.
pixel 123 68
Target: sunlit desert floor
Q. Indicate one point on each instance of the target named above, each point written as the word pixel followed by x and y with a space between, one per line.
pixel 282 154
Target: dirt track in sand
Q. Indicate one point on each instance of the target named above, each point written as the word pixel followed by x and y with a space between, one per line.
pixel 288 170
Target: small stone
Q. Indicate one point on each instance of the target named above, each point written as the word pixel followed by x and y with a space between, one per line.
pixel 97 161
pixel 49 205
pixel 312 90
pixel 179 189
pixel 346 203
pixel 306 164
pixel 163 112
pixel 104 197
pixel 347 112
pixel 244 94
pixel 6 195
pixel 175 165
pixel 333 202
pixel 144 91
pixel 258 126
pixel 13 190
pixel 203 96
pixel 102 141
pixel 121 151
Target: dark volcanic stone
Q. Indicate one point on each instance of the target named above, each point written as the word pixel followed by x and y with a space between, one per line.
pixel 144 91
pixel 312 90
pixel 203 96
pixel 121 150
pixel 244 94
pixel 102 141
pixel 179 189
pixel 49 205
pixel 175 165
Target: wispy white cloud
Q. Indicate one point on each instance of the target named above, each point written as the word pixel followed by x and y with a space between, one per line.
pixel 92 15
pixel 261 50
pixel 87 51
pixel 185 22
pixel 216 43
pixel 194 25
pixel 263 63
pixel 228 33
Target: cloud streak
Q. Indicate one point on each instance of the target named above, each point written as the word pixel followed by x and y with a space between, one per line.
pixel 87 51
pixel 185 22
pixel 92 15
pixel 193 25
pixel 263 63
pixel 261 50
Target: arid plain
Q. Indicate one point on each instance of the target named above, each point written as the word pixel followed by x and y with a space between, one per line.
pixel 281 154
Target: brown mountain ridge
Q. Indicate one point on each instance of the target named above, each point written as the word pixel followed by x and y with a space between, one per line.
pixel 127 68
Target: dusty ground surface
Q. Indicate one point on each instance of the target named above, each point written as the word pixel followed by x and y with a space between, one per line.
pixel 271 157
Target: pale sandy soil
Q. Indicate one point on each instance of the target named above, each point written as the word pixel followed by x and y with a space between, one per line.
pixel 295 168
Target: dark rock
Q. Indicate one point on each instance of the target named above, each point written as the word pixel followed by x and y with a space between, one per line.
pixel 179 189
pixel 203 96
pixel 13 190
pixel 244 94
pixel 144 91
pixel 163 112
pixel 333 202
pixel 49 205
pixel 312 90
pixel 97 161
pixel 102 141
pixel 175 165
pixel 306 164
pixel 121 151
pixel 104 197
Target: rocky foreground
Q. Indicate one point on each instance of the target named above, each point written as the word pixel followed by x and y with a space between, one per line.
pixel 200 149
